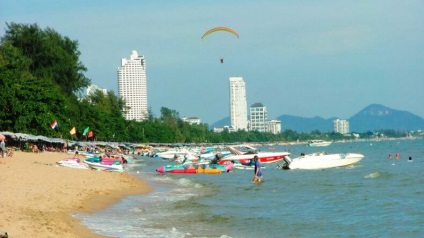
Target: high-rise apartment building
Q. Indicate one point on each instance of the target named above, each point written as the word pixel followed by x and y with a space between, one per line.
pixel 132 86
pixel 341 126
pixel 258 117
pixel 238 103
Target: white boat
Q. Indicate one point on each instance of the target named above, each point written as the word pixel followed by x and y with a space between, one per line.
pixel 72 163
pixel 245 153
pixel 317 143
pixel 244 166
pixel 173 154
pixel 106 166
pixel 322 160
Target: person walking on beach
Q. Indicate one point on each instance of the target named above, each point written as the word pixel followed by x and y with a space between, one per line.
pixel 3 148
pixel 258 170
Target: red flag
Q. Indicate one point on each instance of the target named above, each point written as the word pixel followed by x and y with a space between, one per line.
pixel 54 125
pixel 90 134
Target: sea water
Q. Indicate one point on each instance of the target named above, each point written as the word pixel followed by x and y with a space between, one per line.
pixel 378 197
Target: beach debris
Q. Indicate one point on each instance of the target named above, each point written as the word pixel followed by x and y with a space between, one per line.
pixel 4 234
pixel 37 162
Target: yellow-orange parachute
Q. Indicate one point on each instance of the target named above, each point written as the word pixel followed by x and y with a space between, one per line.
pixel 220 28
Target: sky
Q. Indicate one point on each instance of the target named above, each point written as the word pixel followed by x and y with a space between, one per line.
pixel 327 58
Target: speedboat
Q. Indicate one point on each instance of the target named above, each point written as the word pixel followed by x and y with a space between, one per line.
pixel 115 166
pixel 321 160
pixel 173 154
pixel 72 163
pixel 249 152
pixel 317 143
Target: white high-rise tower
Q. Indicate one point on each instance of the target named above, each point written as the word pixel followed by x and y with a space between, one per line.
pixel 132 86
pixel 238 103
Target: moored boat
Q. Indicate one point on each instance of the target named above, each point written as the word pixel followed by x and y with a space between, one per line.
pixel 106 165
pixel 318 143
pixel 322 160
pixel 246 156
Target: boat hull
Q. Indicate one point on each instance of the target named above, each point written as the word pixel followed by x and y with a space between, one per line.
pixel 106 166
pixel 264 158
pixel 319 143
pixel 72 163
pixel 324 161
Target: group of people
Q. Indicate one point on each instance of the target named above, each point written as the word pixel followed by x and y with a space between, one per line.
pixel 397 156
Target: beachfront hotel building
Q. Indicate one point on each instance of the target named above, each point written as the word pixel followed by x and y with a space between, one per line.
pixel 238 104
pixel 341 126
pixel 192 120
pixel 273 126
pixel 258 117
pixel 132 86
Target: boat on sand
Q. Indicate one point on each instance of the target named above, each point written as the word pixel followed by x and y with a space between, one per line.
pixel 74 163
pixel 115 166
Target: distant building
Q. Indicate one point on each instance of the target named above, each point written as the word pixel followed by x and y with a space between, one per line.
pixel 341 126
pixel 221 129
pixel 132 86
pixel 93 88
pixel 238 103
pixel 191 120
pixel 258 117
pixel 273 126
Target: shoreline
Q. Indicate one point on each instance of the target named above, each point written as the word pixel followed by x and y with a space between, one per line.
pixel 38 198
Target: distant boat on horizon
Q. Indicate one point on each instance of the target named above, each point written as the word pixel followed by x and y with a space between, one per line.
pixel 318 143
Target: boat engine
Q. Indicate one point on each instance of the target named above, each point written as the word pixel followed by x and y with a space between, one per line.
pixel 286 163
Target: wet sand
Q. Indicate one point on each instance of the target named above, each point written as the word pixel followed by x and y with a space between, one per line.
pixel 38 197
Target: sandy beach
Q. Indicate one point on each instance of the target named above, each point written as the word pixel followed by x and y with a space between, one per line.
pixel 38 197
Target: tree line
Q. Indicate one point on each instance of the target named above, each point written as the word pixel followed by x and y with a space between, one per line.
pixel 42 77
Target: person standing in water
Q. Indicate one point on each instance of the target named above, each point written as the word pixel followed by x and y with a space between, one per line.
pixel 258 170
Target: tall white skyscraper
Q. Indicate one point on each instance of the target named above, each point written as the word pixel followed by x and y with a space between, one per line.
pixel 238 103
pixel 132 86
pixel 341 126
pixel 258 117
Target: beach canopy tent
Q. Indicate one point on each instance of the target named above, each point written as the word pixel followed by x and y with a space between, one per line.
pixel 30 138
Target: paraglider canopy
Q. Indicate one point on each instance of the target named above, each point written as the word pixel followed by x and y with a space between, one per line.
pixel 220 28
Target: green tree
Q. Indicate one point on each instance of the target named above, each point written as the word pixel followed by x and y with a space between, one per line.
pixel 29 104
pixel 53 57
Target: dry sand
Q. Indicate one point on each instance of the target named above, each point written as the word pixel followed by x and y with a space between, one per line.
pixel 38 197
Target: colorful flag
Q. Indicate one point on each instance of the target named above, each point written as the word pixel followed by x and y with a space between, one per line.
pixel 73 131
pixel 90 134
pixel 86 131
pixel 54 125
